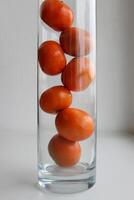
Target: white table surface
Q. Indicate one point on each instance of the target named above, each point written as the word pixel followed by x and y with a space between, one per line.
pixel 115 169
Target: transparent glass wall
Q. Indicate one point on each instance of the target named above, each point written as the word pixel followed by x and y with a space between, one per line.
pixel 67 95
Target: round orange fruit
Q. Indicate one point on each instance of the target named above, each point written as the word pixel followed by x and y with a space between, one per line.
pixel 74 124
pixel 55 99
pixel 65 153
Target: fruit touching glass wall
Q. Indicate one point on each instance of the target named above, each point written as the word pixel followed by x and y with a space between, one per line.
pixel 67 95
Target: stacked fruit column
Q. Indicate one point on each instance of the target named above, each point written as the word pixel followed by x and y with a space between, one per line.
pixel 72 124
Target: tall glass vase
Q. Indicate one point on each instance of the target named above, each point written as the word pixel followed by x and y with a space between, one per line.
pixel 67 95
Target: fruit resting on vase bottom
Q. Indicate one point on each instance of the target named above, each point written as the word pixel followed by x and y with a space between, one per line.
pixel 64 152
pixel 73 125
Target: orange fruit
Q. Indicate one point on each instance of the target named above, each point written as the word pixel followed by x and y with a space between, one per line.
pixel 78 74
pixel 51 58
pixel 55 99
pixel 74 124
pixel 56 14
pixel 76 42
pixel 65 153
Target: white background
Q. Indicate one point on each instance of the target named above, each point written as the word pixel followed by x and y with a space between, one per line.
pixel 18 26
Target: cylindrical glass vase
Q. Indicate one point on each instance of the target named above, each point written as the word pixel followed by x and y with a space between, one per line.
pixel 67 95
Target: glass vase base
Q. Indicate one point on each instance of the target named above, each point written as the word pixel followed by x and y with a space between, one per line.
pixel 66 180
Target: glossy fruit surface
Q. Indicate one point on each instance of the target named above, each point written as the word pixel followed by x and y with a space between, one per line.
pixel 76 42
pixel 55 99
pixel 74 124
pixel 65 153
pixel 51 58
pixel 78 74
pixel 56 14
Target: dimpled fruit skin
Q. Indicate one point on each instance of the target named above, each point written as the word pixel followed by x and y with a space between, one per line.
pixel 74 124
pixel 78 74
pixel 51 58
pixel 65 153
pixel 55 99
pixel 56 14
pixel 76 42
